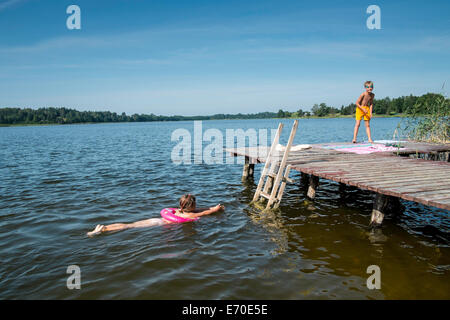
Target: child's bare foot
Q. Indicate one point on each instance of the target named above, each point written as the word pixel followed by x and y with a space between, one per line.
pixel 370 140
pixel 353 141
pixel 98 229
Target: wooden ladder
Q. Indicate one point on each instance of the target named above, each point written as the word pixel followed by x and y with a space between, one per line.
pixel 275 171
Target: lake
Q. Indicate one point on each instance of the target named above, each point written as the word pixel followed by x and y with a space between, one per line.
pixel 59 182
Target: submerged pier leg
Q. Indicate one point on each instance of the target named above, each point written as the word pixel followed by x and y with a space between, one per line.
pixel 342 191
pixel 249 170
pixel 304 178
pixel 313 184
pixel 304 181
pixel 379 205
pixel 384 204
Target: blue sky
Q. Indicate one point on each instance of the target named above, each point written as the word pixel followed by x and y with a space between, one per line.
pixel 206 57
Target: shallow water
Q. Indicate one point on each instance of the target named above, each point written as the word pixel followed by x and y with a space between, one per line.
pixel 58 182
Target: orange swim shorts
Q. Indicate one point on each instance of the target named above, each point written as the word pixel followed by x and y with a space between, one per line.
pixel 360 114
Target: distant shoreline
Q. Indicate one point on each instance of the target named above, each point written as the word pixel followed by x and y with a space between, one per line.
pixel 401 115
pixel 382 108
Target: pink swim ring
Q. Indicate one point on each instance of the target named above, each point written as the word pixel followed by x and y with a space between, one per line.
pixel 169 215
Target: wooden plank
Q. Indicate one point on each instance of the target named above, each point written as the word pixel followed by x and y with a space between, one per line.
pixel 442 204
pixel 375 176
pixel 388 166
pixel 376 171
pixel 372 187
pixel 265 195
pixel 342 177
pixel 426 201
pixel 438 199
pixel 370 173
pixel 396 162
pixel 363 183
pixel 388 189
pixel 335 176
pixel 419 182
pixel 445 201
pixel 381 160
pixel 409 197
pixel 420 187
pixel 395 166
pixel 392 179
pixel 442 194
pixel 355 162
pixel 306 154
pixel 412 180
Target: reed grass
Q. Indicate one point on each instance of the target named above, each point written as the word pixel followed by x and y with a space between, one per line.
pixel 428 121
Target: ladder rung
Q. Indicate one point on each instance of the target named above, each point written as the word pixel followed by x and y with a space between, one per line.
pixel 273 175
pixel 265 195
pixel 288 180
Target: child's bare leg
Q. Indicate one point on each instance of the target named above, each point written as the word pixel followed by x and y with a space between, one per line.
pixel 112 227
pixel 355 131
pixel 367 123
pixel 116 227
pixel 148 223
pixel 122 226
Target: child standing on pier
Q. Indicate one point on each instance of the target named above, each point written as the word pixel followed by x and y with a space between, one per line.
pixel 364 106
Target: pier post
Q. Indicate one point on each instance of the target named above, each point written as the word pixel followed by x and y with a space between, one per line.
pixel 249 170
pixel 384 204
pixel 379 205
pixel 304 181
pixel 342 190
pixel 313 184
pixel 304 178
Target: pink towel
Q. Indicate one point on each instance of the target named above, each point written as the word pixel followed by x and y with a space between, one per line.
pixel 367 150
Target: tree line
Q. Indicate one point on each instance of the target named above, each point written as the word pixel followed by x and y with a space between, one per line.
pixel 385 106
pixel 53 115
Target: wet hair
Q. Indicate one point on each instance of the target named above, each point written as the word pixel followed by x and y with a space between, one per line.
pixel 187 203
pixel 368 83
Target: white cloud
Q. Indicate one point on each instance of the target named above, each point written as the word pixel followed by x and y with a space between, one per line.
pixel 9 3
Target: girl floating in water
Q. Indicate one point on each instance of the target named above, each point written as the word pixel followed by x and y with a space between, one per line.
pixel 186 213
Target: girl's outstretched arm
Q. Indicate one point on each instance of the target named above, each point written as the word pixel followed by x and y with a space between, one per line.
pixel 205 212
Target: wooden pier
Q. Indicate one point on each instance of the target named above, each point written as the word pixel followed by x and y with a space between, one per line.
pixel 402 174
